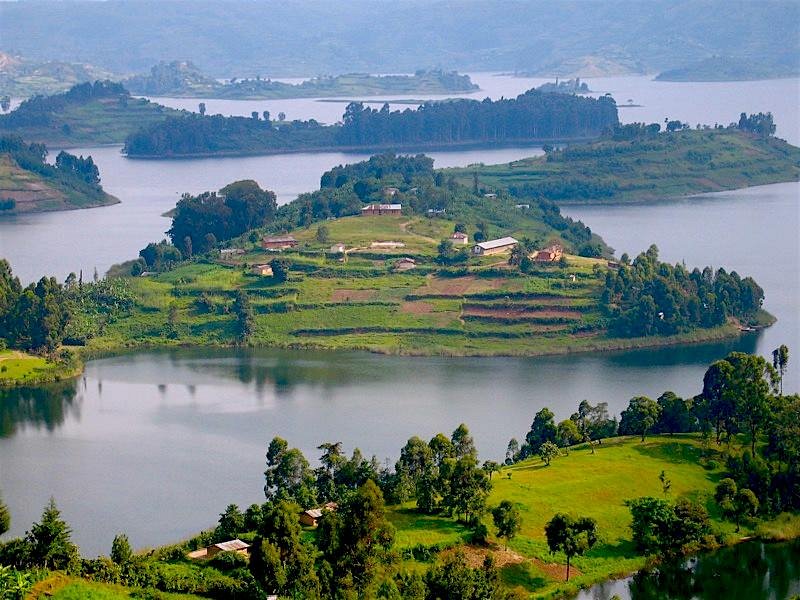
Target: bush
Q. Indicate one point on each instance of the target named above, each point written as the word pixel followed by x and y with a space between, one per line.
pixel 228 561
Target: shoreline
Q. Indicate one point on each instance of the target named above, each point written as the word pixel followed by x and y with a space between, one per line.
pixel 86 354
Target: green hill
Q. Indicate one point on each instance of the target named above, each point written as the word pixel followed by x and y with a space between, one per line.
pixel 29 184
pixel 87 114
pixel 646 167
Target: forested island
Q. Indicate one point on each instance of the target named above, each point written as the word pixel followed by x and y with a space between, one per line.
pixel 667 478
pixel 184 80
pixel 730 68
pixel 639 162
pixel 102 112
pixel 29 184
pixel 529 118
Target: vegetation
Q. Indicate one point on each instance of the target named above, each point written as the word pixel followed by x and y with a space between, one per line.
pixel 183 79
pixel 87 114
pixel 734 68
pixel 532 116
pixel 636 163
pixel 420 527
pixel 29 184
pixel 22 77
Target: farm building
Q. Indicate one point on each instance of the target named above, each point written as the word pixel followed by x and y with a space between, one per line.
pixel 278 242
pixel 337 249
pixel 549 254
pixel 497 246
pixel 311 517
pixel 405 264
pixel 211 551
pixel 382 209
pixel 262 270
pixel 459 238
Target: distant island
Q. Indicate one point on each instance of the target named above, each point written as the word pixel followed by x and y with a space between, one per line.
pixel 29 184
pixel 729 68
pixel 529 118
pixel 183 79
pixel 96 113
pixel 565 86
pixel 637 163
pixel 22 77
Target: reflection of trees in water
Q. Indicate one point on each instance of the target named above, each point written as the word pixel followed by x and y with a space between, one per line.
pixel 45 406
pixel 743 572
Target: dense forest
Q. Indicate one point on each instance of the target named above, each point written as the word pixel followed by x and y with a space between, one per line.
pixel 648 297
pixel 532 116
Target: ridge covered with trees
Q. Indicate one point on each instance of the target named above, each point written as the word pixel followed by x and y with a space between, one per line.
pixel 531 117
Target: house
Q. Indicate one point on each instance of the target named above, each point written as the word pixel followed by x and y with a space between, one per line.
pixel 490 196
pixel 549 254
pixel 278 242
pixel 262 270
pixel 497 246
pixel 230 252
pixel 337 249
pixel 381 209
pixel 211 551
pixel 523 206
pixel 405 264
pixel 311 517
pixel 459 238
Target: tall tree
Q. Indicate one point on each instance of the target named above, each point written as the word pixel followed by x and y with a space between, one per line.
pixel 780 361
pixel 571 536
pixel 640 416
pixel 49 541
pixel 507 520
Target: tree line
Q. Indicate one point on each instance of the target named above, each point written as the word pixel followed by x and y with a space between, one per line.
pixel 647 297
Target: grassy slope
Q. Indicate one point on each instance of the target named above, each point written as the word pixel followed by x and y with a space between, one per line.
pixel 362 304
pixel 34 193
pixel 102 121
pixel 25 369
pixel 735 160
pixel 62 587
pixel 586 484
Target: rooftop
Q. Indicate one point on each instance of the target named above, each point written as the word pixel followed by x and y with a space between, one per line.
pixel 498 243
pixel 232 545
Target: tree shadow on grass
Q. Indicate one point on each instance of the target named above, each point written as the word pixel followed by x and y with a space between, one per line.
pixel 523 574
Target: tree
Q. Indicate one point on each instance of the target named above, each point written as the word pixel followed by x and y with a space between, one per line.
pixel 571 536
pixel 452 577
pixel 675 414
pixel 507 520
pixel 543 429
pixel 323 235
pixel 463 444
pixel 547 452
pixel 288 475
pixel 661 527
pixel 750 380
pixel 666 482
pixel 780 361
pixel 5 518
pixel 490 467
pixel 567 434
pixel 512 451
pixel 121 552
pixel 745 504
pixel 231 522
pixel 640 416
pixel 281 116
pixel 465 488
pixel 245 321
pixel 49 541
pixel 202 108
pixel 280 269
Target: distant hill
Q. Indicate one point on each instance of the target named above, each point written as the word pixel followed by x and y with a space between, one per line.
pixel 184 79
pixel 728 68
pixel 308 37
pixel 22 78
pixel 88 114
pixel 29 184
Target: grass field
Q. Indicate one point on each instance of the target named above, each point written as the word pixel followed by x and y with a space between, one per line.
pixel 24 369
pixel 589 484
pixel 63 587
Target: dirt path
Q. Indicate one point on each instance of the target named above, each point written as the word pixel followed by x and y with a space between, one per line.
pixel 404 229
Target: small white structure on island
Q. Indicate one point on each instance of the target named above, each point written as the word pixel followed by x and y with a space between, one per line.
pixel 497 246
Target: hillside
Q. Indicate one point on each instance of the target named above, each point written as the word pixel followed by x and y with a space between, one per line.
pixel 306 38
pixel 29 184
pixel 728 68
pixel 22 78
pixel 646 168
pixel 87 114
pixel 185 80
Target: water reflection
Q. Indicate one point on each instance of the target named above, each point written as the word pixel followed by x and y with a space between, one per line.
pixel 749 571
pixel 44 407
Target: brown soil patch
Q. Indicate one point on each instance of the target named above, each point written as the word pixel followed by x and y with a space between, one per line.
pixel 556 571
pixel 352 295
pixel 416 307
pixel 502 558
pixel 458 286
pixel 517 313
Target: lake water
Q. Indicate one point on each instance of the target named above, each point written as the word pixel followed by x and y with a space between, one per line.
pixel 749 571
pixel 156 444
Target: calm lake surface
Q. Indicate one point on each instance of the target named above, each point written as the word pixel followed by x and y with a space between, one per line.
pixel 156 444
pixel 749 571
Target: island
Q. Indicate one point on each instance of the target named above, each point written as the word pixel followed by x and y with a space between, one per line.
pixel 182 79
pixel 89 114
pixel 532 117
pixel 729 68
pixel 565 86
pixel 29 184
